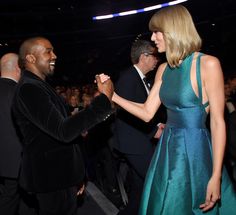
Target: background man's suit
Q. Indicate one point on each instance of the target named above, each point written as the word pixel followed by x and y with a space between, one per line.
pixel 133 136
pixel 10 150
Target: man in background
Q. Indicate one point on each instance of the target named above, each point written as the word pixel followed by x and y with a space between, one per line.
pixel 10 147
pixel 132 135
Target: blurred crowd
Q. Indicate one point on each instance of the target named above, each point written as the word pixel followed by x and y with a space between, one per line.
pixel 230 119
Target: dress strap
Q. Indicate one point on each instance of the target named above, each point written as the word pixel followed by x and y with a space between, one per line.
pixel 199 81
pixel 206 104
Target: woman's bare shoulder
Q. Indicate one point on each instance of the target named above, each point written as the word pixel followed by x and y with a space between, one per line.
pixel 210 61
pixel 210 67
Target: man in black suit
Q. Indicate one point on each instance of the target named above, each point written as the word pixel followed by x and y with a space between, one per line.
pixel 230 118
pixel 10 147
pixel 52 165
pixel 133 136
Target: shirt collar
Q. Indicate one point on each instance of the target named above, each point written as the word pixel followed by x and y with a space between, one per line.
pixel 139 72
pixel 7 77
pixel 142 76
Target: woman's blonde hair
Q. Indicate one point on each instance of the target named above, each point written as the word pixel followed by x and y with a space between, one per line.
pixel 179 32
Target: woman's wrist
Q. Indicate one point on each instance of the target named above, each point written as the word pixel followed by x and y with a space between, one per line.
pixel 114 96
pixel 217 175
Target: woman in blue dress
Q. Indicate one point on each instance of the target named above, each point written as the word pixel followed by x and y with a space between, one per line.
pixel 186 175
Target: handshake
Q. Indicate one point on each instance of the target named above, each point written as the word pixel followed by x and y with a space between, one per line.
pixel 105 85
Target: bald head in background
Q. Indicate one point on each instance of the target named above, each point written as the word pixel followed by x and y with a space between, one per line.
pixel 9 67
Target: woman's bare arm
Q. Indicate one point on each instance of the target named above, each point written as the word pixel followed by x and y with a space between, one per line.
pixel 147 110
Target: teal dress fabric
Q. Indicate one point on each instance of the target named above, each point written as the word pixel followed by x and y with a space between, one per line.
pixel 181 166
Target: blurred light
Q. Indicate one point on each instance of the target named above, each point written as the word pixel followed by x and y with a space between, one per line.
pixel 125 13
pixel 152 7
pixel 104 17
pixel 175 2
pixel 128 12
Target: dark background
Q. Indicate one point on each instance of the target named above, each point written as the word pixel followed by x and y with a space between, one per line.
pixel 85 47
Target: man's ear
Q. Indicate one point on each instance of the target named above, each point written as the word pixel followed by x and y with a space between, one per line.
pixel 141 57
pixel 30 58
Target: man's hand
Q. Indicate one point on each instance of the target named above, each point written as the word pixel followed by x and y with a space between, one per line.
pixel 105 85
pixel 158 134
pixel 81 190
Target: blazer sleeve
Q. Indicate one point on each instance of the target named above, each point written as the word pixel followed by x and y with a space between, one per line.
pixel 39 108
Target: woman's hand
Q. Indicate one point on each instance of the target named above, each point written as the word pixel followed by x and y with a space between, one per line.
pixel 212 195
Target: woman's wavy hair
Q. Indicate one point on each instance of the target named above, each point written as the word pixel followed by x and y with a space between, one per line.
pixel 179 32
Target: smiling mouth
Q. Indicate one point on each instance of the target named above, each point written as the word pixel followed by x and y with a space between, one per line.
pixel 52 66
pixel 52 63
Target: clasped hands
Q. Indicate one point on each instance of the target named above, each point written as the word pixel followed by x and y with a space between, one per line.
pixel 105 85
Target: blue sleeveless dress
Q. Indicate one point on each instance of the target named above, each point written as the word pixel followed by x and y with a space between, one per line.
pixel 181 166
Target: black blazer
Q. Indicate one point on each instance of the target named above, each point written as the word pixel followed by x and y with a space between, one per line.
pixel 132 135
pixel 231 137
pixel 51 157
pixel 10 147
